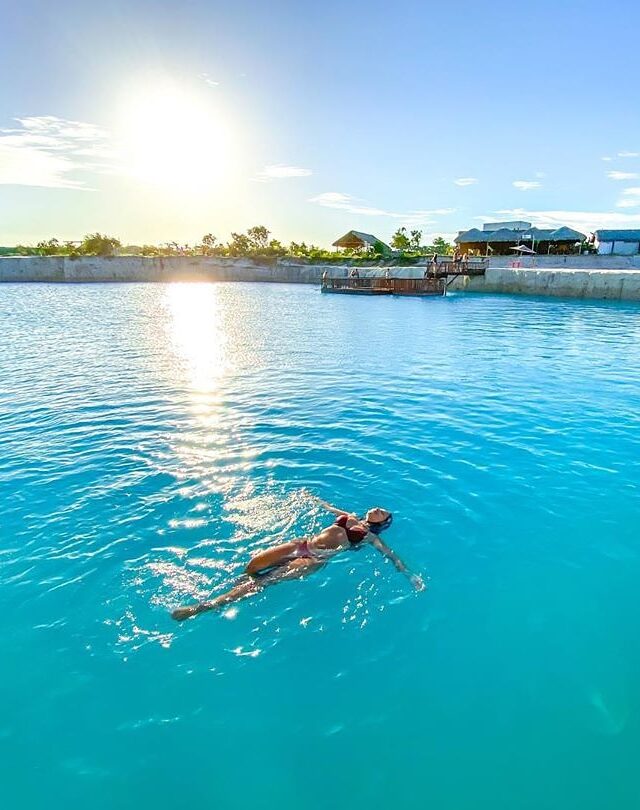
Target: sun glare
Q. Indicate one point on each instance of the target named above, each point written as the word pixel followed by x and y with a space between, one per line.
pixel 175 138
pixel 196 332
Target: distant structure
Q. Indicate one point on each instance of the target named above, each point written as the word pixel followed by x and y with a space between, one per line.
pixel 513 225
pixel 624 243
pixel 504 238
pixel 357 240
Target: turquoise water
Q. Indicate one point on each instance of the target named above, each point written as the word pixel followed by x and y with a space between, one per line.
pixel 152 437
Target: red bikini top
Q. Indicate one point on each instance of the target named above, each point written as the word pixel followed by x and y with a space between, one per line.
pixel 355 534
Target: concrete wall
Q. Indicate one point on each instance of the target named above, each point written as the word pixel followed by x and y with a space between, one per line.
pixel 585 283
pixel 588 262
pixel 139 268
pixel 614 277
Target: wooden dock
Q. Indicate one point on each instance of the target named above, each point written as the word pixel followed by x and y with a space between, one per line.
pixel 385 286
pixel 435 281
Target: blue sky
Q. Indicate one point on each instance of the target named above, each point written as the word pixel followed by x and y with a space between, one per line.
pixel 158 121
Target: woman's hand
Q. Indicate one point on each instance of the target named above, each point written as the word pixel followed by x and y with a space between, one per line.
pixel 417 582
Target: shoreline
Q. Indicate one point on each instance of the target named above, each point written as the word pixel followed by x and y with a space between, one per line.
pixel 590 277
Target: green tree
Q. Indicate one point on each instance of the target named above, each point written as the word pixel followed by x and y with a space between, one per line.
pixel 208 244
pixel 298 249
pixel 48 247
pixel 97 244
pixel 276 248
pixel 441 247
pixel 400 240
pixel 239 245
pixel 258 237
pixel 171 249
pixel 70 249
pixel 416 239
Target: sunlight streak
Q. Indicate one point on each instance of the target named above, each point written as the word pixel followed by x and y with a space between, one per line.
pixel 197 335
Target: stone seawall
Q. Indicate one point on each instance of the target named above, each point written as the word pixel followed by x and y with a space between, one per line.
pixel 141 268
pixel 623 285
pixel 598 277
pixel 585 262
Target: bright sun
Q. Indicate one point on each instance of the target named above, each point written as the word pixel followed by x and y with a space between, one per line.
pixel 173 137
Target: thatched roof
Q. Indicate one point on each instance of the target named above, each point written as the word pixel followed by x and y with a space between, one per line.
pixel 618 236
pixel 568 234
pixel 474 235
pixel 367 240
pixel 563 234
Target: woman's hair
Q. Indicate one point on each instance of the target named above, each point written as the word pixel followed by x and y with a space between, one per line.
pixel 377 526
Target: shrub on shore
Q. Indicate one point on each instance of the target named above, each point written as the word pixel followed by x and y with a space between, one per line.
pixel 94 244
pixel 255 243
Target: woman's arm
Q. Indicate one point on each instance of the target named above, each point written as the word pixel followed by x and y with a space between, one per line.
pixel 331 508
pixel 390 554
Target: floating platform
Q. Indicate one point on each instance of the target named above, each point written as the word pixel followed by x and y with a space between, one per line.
pixel 385 286
pixel 435 281
pixel 349 289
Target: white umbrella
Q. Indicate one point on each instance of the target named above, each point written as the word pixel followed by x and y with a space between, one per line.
pixel 523 249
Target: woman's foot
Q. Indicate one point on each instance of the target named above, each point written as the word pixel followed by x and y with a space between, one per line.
pixel 182 613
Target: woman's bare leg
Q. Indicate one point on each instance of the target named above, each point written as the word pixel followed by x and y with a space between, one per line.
pixel 295 569
pixel 276 555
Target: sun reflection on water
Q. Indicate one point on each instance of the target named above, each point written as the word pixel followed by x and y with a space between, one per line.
pixel 196 331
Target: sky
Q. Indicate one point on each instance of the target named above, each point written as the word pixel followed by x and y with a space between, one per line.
pixel 163 121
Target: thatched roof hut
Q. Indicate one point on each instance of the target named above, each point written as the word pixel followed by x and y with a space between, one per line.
pixel 501 241
pixel 357 240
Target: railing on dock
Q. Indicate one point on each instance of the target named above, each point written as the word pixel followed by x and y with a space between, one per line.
pixel 436 279
pixel 386 286
pixel 418 286
pixel 350 283
pixel 470 267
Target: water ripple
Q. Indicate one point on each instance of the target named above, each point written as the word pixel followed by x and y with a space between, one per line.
pixel 151 444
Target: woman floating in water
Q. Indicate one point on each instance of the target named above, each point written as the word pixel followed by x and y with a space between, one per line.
pixel 302 557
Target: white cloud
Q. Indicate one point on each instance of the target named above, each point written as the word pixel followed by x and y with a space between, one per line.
pixel 628 154
pixel 540 174
pixel 278 171
pixel 335 199
pixel 466 181
pixel 615 175
pixel 28 166
pixel 526 185
pixel 630 197
pixel 584 221
pixel 345 202
pixel 606 157
pixel 439 212
pixel 46 151
pixel 208 80
pixel 332 199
